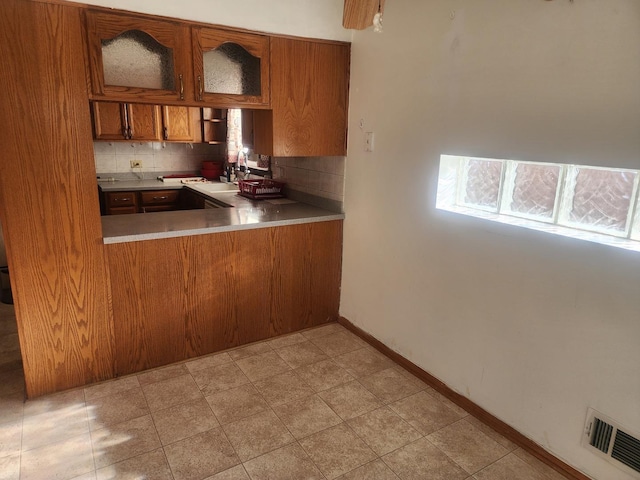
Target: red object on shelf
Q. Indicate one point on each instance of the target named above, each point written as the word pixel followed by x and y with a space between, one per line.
pixel 257 189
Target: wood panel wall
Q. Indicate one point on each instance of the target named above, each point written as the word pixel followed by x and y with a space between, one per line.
pixel 48 203
pixel 183 297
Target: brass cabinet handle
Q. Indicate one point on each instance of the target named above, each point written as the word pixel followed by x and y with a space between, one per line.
pixel 181 87
pixel 160 198
pixel 129 132
pixel 200 88
pixel 165 133
pixel 122 199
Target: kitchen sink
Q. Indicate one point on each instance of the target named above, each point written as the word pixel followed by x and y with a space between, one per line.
pixel 214 187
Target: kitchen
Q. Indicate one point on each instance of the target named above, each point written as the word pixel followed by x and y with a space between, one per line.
pixel 438 258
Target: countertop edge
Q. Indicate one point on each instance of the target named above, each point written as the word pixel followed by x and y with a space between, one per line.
pixel 219 229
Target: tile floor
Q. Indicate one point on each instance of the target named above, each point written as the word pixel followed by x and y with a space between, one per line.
pixel 320 404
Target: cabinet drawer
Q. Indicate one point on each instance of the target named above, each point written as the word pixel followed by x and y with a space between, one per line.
pixel 120 199
pixel 159 197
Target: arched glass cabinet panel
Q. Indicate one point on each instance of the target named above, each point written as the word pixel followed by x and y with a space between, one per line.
pixel 135 59
pixel 231 68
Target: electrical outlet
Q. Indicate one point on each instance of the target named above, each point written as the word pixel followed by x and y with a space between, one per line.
pixel 136 163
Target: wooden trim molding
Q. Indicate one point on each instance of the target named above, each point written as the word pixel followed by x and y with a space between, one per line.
pixel 481 414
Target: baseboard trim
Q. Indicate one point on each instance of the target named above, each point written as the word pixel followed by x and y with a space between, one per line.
pixel 481 414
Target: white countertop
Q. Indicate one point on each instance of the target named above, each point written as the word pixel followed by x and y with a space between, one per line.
pixel 244 214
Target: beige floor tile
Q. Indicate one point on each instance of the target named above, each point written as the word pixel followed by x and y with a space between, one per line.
pixel 363 362
pixel 170 392
pixel 58 461
pixel 110 387
pixel 86 476
pixel 11 382
pixel 376 470
pixel 510 467
pixel 259 367
pixel 449 403
pixel 350 400
pixel 250 351
pixel 389 385
pixel 209 361
pixel 286 340
pixel 467 446
pixel 338 343
pixel 420 460
pixel 10 438
pixel 286 463
pixel 234 473
pixel 219 378
pixel 324 375
pixel 11 407
pixel 184 420
pixel 383 430
pixel 258 434
pixel 491 433
pixel 10 467
pixel 307 416
pixel 301 354
pixel 150 466
pixel 424 412
pixel 54 418
pixel 124 440
pixel 237 403
pixel 337 450
pixel 327 329
pixel 164 373
pixel 117 408
pixel 283 388
pixel 201 456
pixel 540 467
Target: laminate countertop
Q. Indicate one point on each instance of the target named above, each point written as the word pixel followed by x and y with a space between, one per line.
pixel 243 214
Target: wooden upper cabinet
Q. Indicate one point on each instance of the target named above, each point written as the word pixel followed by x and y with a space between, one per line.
pixel 133 57
pixel 309 100
pixel 231 69
pixel 126 121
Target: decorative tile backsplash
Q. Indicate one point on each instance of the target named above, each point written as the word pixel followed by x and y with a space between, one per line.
pixel 156 157
pixel 319 176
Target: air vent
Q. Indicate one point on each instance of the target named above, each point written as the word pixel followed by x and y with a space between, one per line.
pixel 610 440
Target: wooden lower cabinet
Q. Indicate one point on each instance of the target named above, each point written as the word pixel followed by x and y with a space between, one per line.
pixel 183 297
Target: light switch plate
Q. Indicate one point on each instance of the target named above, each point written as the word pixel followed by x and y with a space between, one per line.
pixel 368 142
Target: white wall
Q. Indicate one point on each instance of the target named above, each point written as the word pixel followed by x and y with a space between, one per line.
pixel 305 18
pixel 532 327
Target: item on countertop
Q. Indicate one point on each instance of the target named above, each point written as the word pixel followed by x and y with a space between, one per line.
pixel 211 170
pixel 258 189
pixel 180 178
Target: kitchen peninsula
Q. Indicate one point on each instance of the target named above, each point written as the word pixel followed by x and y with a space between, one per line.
pixel 88 310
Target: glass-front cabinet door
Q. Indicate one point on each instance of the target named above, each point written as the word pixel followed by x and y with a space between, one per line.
pixel 136 57
pixel 230 68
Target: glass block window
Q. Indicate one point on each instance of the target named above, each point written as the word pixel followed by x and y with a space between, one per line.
pixel 135 59
pixel 535 188
pixel 230 69
pixel 591 203
pixel 601 199
pixel 482 183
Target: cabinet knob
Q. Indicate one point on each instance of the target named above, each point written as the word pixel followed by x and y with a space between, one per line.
pixel 181 87
pixel 200 88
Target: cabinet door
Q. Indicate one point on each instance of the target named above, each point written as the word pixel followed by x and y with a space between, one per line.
pixel 309 94
pixel 137 57
pixel 231 68
pixel 179 124
pixel 142 122
pixel 109 121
